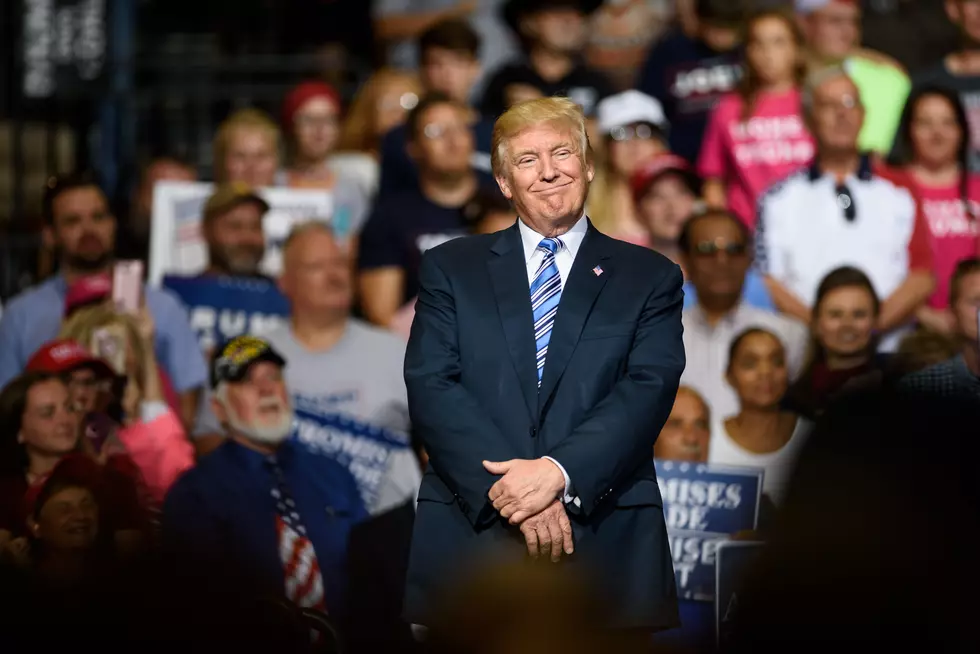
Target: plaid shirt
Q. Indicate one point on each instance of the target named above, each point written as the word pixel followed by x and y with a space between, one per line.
pixel 951 378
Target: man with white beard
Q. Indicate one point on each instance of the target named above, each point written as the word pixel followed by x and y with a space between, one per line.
pixel 259 514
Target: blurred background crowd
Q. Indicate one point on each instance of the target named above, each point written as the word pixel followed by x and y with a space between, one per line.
pixel 813 166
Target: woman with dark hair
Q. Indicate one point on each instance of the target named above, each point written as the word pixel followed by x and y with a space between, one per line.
pixel 757 135
pixel 931 151
pixel 762 434
pixel 843 345
pixel 38 429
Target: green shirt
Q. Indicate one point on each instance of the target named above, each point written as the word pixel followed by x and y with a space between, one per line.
pixel 883 91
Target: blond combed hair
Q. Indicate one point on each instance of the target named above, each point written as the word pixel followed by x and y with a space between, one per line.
pixel 83 323
pixel 531 113
pixel 242 119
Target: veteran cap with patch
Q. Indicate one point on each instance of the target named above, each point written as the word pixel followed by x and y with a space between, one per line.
pixel 232 360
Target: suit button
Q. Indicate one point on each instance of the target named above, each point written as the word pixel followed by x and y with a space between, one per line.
pixel 533 432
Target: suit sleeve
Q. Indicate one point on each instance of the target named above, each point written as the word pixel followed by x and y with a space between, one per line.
pixel 618 435
pixel 457 433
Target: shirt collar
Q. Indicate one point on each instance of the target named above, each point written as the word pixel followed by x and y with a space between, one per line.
pixel 572 238
pixel 728 319
pixel 254 460
pixel 863 173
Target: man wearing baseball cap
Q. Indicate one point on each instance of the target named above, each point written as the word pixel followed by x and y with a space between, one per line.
pixel 666 191
pixel 83 372
pixel 832 29
pixel 260 503
pixel 233 230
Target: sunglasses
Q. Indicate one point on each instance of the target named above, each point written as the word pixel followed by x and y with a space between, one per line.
pixel 712 248
pixel 641 132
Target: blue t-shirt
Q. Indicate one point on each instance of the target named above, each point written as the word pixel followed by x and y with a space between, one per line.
pixel 398 171
pixel 688 78
pixel 754 293
pixel 401 228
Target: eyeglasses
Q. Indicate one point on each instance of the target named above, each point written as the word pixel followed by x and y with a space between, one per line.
pixel 641 132
pixel 848 101
pixel 439 130
pixel 306 120
pixel 712 248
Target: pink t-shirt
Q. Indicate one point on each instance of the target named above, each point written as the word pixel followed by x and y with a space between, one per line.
pixel 952 233
pixel 750 156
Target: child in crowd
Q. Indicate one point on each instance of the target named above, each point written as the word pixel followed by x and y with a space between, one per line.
pixel 757 136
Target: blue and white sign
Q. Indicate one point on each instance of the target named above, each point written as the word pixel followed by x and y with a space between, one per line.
pixel 704 505
pixel 224 307
pixel 364 449
pixel 733 560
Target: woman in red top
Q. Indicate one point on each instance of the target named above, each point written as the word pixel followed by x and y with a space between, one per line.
pixel 756 136
pixel 932 148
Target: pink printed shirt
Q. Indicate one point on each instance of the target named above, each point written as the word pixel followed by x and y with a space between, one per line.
pixel 952 232
pixel 750 156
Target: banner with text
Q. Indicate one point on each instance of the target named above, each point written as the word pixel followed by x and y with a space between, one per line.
pixel 704 505
pixel 733 560
pixel 363 448
pixel 224 307
pixel 177 244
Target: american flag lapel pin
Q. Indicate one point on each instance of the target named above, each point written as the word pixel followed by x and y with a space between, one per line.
pixel 597 270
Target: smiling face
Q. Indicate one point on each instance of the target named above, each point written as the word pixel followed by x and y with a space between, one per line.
pixel 758 371
pixel 69 520
pixel 546 175
pixel 50 425
pixel 845 321
pixel 935 131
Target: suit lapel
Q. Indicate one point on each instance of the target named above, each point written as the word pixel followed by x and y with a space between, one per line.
pixel 577 299
pixel 508 274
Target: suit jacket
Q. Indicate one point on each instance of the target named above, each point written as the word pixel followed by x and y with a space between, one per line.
pixel 613 367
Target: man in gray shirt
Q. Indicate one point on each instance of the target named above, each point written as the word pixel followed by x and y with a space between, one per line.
pixel 345 376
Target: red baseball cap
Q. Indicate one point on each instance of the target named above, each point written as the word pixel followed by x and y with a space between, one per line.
pixel 65 355
pixel 87 290
pixel 303 93
pixel 661 165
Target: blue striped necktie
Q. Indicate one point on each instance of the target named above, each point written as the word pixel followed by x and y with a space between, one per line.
pixel 545 296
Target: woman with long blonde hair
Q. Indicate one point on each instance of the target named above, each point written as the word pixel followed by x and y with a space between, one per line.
pixel 150 431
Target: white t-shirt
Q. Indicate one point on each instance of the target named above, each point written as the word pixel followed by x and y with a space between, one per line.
pixel 778 465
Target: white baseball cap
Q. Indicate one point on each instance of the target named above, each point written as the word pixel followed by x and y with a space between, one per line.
pixel 630 107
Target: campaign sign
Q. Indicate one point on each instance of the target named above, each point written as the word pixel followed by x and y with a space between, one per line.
pixel 224 307
pixel 363 448
pixel 704 505
pixel 177 245
pixel 732 560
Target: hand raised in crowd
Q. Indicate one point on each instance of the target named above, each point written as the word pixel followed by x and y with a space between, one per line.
pixel 549 533
pixel 526 489
pixel 147 328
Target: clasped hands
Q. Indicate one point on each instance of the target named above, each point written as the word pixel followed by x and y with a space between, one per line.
pixel 529 495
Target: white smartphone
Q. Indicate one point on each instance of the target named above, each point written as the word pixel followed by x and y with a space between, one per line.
pixel 127 286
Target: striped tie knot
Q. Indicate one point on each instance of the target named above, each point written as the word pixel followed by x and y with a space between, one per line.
pixel 550 245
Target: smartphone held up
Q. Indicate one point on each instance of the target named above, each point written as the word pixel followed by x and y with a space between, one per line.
pixel 127 286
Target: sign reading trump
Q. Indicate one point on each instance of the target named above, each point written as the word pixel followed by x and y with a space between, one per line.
pixel 704 505
pixel 221 308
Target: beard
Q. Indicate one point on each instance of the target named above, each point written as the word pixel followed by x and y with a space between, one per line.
pixel 92 263
pixel 240 261
pixel 273 434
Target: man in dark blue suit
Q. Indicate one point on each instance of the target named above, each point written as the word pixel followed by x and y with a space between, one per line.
pixel 543 362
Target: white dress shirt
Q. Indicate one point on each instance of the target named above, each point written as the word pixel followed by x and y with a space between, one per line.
pixel 564 258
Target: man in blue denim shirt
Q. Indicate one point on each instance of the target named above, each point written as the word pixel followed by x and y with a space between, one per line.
pixel 81 228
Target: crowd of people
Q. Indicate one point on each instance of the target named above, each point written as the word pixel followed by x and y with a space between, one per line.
pixel 820 201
